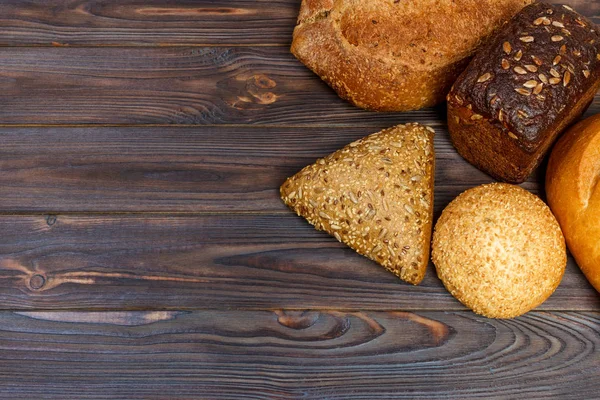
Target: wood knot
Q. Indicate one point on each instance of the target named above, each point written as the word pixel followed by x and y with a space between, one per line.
pixel 51 220
pixel 258 85
pixel 37 281
pixel 297 319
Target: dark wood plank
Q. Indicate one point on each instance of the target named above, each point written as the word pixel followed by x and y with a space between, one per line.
pixel 147 23
pixel 204 85
pixel 168 169
pixel 159 23
pixel 291 355
pixel 239 261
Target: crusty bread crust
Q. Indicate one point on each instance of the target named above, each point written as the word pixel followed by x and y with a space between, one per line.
pixel 388 55
pixel 376 196
pixel 499 250
pixel 528 84
pixel 573 192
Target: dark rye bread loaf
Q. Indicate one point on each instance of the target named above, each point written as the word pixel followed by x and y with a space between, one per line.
pixel 535 78
pixel 391 55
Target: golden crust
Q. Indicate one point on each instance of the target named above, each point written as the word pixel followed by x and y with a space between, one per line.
pixel 574 196
pixel 376 196
pixel 395 56
pixel 499 250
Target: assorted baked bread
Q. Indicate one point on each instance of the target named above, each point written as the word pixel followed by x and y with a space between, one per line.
pixel 573 192
pixel 499 250
pixel 376 196
pixel 530 82
pixel 388 55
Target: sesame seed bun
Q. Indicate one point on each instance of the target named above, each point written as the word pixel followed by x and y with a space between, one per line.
pixel 499 250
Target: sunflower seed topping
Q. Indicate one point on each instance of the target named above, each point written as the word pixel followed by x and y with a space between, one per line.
pixel 538 89
pixel 531 68
pixel 507 47
pixel 530 84
pixel 527 39
pixel 520 70
pixel 484 78
pixel 555 81
pixel 556 60
pixel 586 73
pixel 558 24
pixel 554 73
pixel 505 64
pixel 566 79
pixel 519 55
pixel 543 78
pixel 556 38
pixel 537 61
pixel 524 92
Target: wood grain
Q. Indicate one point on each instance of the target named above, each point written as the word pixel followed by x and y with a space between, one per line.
pixel 243 261
pixel 200 85
pixel 160 23
pixel 174 169
pixel 296 354
pixel 145 23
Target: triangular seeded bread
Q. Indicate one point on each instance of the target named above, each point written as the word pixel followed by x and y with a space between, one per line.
pixel 376 196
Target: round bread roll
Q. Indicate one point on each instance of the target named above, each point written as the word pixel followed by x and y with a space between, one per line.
pixel 573 191
pixel 499 250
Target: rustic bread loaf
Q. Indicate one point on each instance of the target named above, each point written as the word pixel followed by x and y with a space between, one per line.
pixel 388 55
pixel 499 250
pixel 535 78
pixel 376 196
pixel 573 192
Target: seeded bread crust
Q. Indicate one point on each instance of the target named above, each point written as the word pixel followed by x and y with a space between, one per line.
pixel 390 55
pixel 499 250
pixel 533 80
pixel 376 196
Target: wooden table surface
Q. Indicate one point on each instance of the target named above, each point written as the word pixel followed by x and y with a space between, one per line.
pixel 145 253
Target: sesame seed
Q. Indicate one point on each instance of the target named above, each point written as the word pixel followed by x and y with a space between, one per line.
pixel 323 215
pixel 337 236
pixel 527 39
pixel 556 38
pixel 335 227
